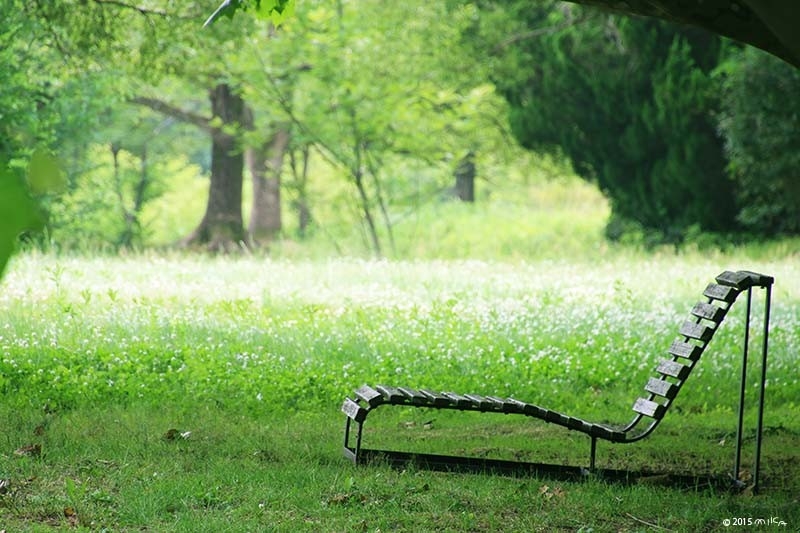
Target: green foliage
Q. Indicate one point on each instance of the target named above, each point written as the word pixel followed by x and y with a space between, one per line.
pixel 115 469
pixel 203 391
pixel 19 214
pixel 386 98
pixel 380 101
pixel 74 336
pixel 117 202
pixel 273 10
pixel 629 101
pixel 760 121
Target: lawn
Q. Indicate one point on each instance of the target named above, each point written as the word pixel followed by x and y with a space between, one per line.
pixel 184 393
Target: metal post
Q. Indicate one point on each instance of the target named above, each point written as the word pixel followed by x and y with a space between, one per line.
pixel 358 441
pixel 759 429
pixel 742 389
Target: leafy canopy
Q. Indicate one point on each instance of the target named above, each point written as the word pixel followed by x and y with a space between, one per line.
pixel 274 10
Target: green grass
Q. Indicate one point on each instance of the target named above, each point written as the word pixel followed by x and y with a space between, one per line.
pixel 101 357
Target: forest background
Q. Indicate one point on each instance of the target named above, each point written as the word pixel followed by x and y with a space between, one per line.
pixel 413 129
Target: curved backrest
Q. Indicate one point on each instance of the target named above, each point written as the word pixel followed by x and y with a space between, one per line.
pixel 695 334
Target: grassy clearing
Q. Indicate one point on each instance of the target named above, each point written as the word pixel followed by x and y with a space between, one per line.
pixel 100 358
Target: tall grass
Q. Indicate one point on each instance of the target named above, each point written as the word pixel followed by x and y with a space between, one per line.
pixel 79 331
pixel 172 392
pixel 250 357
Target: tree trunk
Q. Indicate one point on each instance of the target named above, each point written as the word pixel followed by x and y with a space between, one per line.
pixel 265 163
pixel 221 228
pixel 358 178
pixel 300 181
pixel 465 178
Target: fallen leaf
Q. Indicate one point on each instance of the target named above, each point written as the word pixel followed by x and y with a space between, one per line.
pixel 31 450
pixel 71 516
pixel 175 434
pixel 548 494
pixel 339 499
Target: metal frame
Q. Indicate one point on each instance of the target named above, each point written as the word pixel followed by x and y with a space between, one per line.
pixel 762 387
pixel 372 398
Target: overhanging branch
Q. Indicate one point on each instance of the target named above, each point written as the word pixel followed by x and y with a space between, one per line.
pixel 538 32
pixel 140 9
pixel 170 110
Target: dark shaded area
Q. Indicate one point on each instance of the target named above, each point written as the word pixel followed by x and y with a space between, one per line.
pixel 767 24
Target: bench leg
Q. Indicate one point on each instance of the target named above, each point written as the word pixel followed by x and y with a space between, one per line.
pixel 352 453
pixel 762 390
pixel 593 453
pixel 742 389
pixel 764 348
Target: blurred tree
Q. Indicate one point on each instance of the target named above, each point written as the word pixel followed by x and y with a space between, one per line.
pixel 760 121
pixel 145 46
pixel 630 101
pixel 373 84
pixel 46 102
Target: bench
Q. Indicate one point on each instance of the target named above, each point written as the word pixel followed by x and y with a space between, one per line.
pixel 694 336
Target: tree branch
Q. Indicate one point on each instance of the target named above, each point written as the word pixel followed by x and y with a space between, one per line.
pixel 204 123
pixel 142 10
pixel 537 32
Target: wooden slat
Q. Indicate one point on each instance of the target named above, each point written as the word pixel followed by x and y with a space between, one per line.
pixel 369 395
pixel 435 398
pixel 391 394
pixel 674 369
pixel 557 418
pixel 649 408
pixel 686 349
pixel 480 402
pixel 501 405
pixel 709 312
pixel 354 411
pixel 416 397
pixel 606 433
pixel 459 401
pixel 744 279
pixel 696 331
pixel 662 387
pixel 529 409
pixel 579 425
pixel 719 292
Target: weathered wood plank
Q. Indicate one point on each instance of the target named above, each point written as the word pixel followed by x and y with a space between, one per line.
pixel 674 369
pixel 416 397
pixel 391 394
pixel 369 395
pixel 480 402
pixel 435 398
pixel 709 311
pixel 460 401
pixel 649 408
pixel 696 331
pixel 354 411
pixel 662 387
pixel 686 350
pixel 720 292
